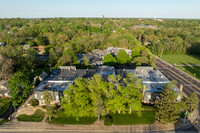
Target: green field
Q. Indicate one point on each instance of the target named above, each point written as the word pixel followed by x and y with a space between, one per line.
pixel 183 59
pixel 148 117
pixel 191 70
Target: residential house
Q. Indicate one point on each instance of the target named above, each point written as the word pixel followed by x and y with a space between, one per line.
pixel 58 81
pixel 152 80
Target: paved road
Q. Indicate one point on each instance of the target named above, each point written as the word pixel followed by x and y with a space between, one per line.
pixel 190 85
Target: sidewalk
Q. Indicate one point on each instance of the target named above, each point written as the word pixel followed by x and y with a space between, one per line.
pixel 96 127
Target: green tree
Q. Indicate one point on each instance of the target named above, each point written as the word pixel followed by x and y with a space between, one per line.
pixel 86 61
pixel 166 111
pixel 52 58
pixel 123 57
pixel 99 108
pixel 30 58
pixel 114 100
pixel 20 88
pixel 48 98
pixel 110 60
pixel 96 85
pixel 132 93
pixel 144 53
pixel 191 102
pixel 77 101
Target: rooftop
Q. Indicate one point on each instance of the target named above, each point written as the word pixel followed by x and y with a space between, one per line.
pixel 59 79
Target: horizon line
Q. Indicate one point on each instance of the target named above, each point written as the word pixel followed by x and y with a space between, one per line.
pixel 98 17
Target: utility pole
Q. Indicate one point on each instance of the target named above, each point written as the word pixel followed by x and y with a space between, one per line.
pixel 185 116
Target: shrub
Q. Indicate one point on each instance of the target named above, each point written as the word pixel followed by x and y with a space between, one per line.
pixel 123 57
pixel 34 102
pixel 108 121
pixel 109 60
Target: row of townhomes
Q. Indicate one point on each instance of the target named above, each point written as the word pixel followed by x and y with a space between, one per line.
pixel 59 79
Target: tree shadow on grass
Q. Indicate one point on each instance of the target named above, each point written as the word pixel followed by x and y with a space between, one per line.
pixel 192 69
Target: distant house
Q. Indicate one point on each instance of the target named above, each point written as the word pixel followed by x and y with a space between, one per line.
pixel 42 57
pixel 2 44
pixel 40 49
pixel 144 26
pixel 96 57
pixel 4 91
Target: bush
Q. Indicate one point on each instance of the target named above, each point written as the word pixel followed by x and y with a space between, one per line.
pixel 123 57
pixel 109 60
pixel 34 102
pixel 108 121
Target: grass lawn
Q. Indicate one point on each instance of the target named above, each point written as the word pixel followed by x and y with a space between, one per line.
pixel 148 107
pixel 148 117
pixel 183 59
pixel 63 119
pixel 4 121
pixel 191 70
pixel 36 117
pixel 180 59
pixel 4 104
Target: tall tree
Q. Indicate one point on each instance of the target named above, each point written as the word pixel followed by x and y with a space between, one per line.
pixel 166 111
pixel 123 57
pixel 114 95
pixel 20 88
pixel 99 108
pixel 76 101
pixel 132 93
pixel 96 85
pixel 191 102
pixel 6 68
pixel 48 98
pixel 52 58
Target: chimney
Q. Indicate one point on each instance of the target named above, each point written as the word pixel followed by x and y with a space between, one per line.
pixel 181 87
pixel 143 91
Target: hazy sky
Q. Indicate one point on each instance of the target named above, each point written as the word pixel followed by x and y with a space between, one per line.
pixel 97 8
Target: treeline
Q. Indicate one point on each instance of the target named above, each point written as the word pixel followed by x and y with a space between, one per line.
pixel 97 97
pixel 64 37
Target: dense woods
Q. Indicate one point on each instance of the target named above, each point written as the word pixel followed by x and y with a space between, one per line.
pixel 64 37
